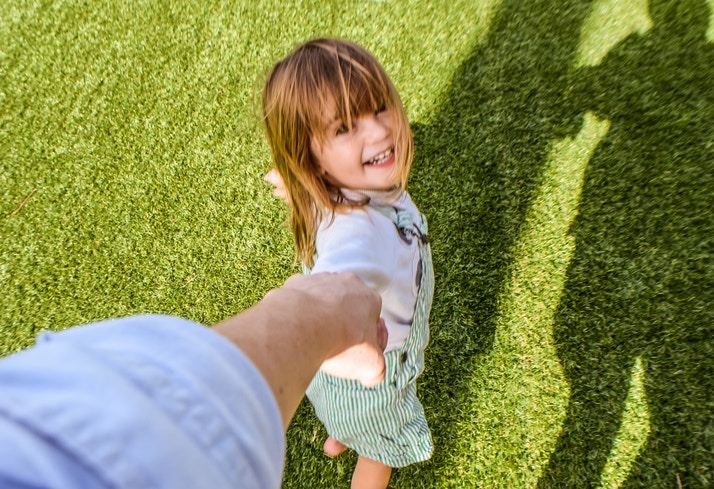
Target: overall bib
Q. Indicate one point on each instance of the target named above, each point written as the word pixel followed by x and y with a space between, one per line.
pixel 386 422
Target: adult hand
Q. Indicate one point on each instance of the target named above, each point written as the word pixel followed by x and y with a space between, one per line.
pixel 349 303
pixel 325 320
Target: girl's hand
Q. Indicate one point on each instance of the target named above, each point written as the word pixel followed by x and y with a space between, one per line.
pixel 364 361
pixel 274 178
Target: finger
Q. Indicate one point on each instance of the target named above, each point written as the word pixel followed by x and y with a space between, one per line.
pixel 374 374
pixel 374 378
pixel 382 335
pixel 272 176
pixel 364 363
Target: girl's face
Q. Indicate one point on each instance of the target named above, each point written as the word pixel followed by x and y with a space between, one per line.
pixel 362 157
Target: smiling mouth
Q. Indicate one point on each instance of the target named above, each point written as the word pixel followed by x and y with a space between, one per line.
pixel 381 158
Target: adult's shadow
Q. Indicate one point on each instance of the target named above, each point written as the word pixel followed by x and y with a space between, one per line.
pixel 477 163
pixel 641 282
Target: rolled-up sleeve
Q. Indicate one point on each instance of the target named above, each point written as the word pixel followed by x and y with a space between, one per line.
pixel 145 402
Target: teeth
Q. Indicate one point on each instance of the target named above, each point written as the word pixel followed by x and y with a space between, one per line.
pixel 380 158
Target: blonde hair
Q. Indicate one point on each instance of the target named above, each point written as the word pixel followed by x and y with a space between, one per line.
pixel 317 77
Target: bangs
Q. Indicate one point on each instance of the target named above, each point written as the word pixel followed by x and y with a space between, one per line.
pixel 340 82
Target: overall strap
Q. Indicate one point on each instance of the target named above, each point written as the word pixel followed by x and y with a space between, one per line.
pixel 404 222
pixel 411 360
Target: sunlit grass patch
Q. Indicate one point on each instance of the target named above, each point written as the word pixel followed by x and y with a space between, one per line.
pixel 131 164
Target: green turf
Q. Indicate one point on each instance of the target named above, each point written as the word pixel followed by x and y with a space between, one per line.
pixel 564 158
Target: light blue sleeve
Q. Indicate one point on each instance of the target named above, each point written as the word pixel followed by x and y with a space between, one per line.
pixel 145 401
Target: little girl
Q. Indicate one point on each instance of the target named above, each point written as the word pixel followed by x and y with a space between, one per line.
pixel 342 148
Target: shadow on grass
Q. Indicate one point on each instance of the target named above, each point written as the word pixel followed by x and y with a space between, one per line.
pixel 477 164
pixel 641 282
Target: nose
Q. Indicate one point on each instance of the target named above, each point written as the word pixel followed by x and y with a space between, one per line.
pixel 376 128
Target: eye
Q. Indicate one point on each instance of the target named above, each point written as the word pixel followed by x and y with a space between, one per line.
pixel 381 109
pixel 342 129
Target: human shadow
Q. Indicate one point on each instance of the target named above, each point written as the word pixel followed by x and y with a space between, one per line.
pixel 641 282
pixel 477 163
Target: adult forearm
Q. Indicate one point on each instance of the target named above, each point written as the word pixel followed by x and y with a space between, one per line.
pixel 296 328
pixel 281 340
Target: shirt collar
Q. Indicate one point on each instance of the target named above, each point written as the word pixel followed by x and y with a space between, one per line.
pixel 375 197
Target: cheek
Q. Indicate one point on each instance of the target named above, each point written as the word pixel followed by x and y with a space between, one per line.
pixel 316 154
pixel 315 149
pixel 386 118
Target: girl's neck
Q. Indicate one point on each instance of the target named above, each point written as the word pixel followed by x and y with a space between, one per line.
pixel 374 197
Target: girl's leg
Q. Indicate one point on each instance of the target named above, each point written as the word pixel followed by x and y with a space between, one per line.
pixel 333 447
pixel 370 474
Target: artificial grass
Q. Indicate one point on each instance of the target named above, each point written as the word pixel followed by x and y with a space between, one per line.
pixel 563 158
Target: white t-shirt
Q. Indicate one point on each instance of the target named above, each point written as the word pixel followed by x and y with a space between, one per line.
pixel 366 242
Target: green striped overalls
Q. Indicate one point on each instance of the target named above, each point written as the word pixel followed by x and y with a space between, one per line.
pixel 385 423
